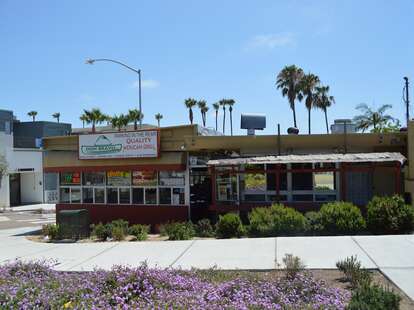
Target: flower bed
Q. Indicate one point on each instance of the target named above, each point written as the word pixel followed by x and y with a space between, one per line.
pixel 35 285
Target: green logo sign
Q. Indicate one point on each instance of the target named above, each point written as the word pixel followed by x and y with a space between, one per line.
pixel 102 146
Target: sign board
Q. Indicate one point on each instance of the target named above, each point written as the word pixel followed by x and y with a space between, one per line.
pixel 137 144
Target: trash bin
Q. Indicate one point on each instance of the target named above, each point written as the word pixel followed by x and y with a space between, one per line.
pixel 73 224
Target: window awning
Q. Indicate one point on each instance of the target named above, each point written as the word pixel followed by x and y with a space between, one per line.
pixel 311 158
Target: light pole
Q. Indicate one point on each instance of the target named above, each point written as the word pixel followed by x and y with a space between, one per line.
pixel 90 61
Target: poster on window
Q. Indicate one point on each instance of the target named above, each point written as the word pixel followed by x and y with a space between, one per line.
pixel 119 178
pixel 137 144
pixel 144 178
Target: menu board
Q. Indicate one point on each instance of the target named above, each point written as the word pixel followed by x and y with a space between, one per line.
pixel 144 178
pixel 119 178
pixel 70 178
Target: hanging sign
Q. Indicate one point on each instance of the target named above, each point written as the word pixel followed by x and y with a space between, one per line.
pixel 137 144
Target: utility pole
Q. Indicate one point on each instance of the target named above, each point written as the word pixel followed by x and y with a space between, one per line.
pixel 407 100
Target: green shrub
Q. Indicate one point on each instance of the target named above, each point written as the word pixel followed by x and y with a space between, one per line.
pixel 178 231
pixel 276 220
pixel 313 223
pixel 139 231
pixel 373 297
pixel 341 218
pixel 293 265
pixel 353 272
pixel 229 226
pixel 122 224
pixel 118 233
pixel 204 228
pixel 51 231
pixel 389 215
pixel 101 231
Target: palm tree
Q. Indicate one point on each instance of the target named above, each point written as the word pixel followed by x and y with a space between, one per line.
pixel 204 110
pixel 307 85
pixel 32 114
pixel 158 117
pixel 223 103
pixel 216 107
pixel 135 116
pixel 95 116
pixel 83 118
pixel 230 103
pixel 190 103
pixel 57 116
pixel 120 121
pixel 370 118
pixel 202 105
pixel 288 80
pixel 323 101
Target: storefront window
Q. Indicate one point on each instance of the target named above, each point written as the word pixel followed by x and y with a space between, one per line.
pixel 178 196
pixel 271 178
pixel 118 178
pixel 165 195
pixel 87 195
pixel 302 180
pixel 93 178
pixel 324 181
pixel 70 178
pixel 75 195
pixel 254 187
pixel 138 196
pixel 112 195
pixel 173 178
pixel 124 196
pixel 150 196
pixel 65 195
pixel 144 178
pixel 99 195
pixel 227 187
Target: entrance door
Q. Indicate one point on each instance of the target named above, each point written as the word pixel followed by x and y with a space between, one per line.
pixel 359 187
pixel 15 196
pixel 200 187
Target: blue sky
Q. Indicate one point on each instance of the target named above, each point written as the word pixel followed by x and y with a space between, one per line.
pixel 202 49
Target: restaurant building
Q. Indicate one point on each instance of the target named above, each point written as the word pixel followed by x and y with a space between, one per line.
pixel 177 173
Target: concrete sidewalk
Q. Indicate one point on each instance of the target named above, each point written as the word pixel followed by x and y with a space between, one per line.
pixel 393 255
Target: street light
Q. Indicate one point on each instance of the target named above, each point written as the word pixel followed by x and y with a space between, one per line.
pixel 90 61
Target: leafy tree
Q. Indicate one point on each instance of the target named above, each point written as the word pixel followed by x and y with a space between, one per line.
pixel 33 115
pixel 370 118
pixel 95 116
pixel 202 105
pixel 57 116
pixel 288 80
pixel 308 85
pixel 158 117
pixel 323 101
pixel 216 107
pixel 230 103
pixel 135 116
pixel 391 126
pixel 190 103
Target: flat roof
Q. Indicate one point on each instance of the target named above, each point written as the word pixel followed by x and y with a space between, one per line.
pixel 311 158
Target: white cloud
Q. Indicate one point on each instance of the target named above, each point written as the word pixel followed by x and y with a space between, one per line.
pixel 271 41
pixel 147 84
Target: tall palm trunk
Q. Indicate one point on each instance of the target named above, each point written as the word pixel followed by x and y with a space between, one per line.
pixel 326 120
pixel 93 127
pixel 224 120
pixel 231 123
pixel 309 121
pixel 83 124
pixel 135 125
pixel 191 116
pixel 216 120
pixel 294 115
pixel 158 123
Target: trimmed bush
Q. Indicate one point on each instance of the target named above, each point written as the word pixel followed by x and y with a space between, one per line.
pixel 51 230
pixel 389 215
pixel 229 226
pixel 118 233
pixel 275 221
pixel 341 218
pixel 139 231
pixel 204 228
pixel 313 223
pixel 373 297
pixel 101 231
pixel 178 231
pixel 122 224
